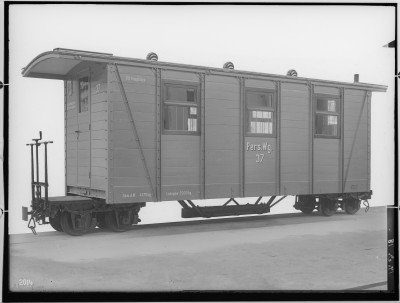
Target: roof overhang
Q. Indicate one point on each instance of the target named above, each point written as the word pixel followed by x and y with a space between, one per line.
pixel 51 65
pixel 59 63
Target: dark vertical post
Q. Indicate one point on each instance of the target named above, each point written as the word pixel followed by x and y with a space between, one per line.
pixel 37 165
pixel 32 173
pixel 45 176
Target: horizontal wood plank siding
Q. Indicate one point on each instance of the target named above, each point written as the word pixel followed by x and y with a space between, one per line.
pixel 180 153
pixel 295 139
pixel 326 90
pixel 129 180
pixel 263 84
pixel 260 166
pixel 355 141
pixel 326 166
pixel 71 164
pixel 102 152
pixel 180 76
pixel 222 124
pixel 260 153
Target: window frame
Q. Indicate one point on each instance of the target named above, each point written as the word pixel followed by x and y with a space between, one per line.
pixel 196 103
pixel 338 114
pixel 272 109
pixel 83 76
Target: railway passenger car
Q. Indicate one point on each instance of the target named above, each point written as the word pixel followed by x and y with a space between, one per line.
pixel 141 131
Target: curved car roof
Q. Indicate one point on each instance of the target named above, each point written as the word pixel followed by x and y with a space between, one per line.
pixel 58 63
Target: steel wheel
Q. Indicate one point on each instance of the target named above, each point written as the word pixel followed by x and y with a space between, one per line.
pixel 327 206
pixel 306 204
pixel 82 224
pixel 124 223
pixel 351 205
pixel 56 222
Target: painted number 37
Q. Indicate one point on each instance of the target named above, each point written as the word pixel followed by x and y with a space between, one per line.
pixel 259 158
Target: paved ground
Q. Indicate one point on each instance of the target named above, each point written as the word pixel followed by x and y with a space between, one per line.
pixel 281 252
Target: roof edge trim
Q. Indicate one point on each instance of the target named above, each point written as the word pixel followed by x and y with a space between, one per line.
pixel 107 58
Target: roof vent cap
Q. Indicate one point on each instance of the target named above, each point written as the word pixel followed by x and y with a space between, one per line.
pixel 152 56
pixel 229 65
pixel 292 73
pixel 356 78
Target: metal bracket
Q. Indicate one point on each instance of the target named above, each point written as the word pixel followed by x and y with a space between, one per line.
pixel 366 204
pixel 191 210
pixel 32 225
pixel 231 200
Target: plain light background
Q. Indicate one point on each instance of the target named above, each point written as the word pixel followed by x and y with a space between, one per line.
pixel 322 42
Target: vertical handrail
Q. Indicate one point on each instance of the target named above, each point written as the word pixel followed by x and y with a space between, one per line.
pixel 37 161
pixel 36 185
pixel 46 184
pixel 32 173
pixel 136 134
pixel 38 188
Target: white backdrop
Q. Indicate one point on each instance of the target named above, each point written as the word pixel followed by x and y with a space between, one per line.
pixel 323 42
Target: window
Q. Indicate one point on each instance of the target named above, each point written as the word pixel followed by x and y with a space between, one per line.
pixel 83 94
pixel 327 117
pixel 260 112
pixel 180 110
pixel 70 88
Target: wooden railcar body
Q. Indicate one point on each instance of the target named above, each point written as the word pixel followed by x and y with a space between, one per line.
pixel 218 158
